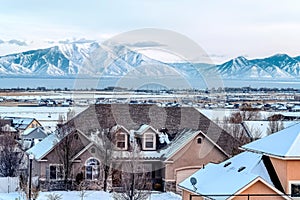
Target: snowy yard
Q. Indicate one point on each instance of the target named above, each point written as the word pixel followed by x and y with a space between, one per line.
pixel 90 195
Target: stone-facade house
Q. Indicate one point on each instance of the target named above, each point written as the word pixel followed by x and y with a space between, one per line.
pixel 174 142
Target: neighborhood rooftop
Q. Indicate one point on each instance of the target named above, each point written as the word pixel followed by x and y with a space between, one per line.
pixel 228 177
pixel 284 144
pixel 43 147
pixel 132 116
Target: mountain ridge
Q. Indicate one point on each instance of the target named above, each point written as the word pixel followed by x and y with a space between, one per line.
pixel 94 60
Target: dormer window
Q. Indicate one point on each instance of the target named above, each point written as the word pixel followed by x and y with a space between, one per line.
pixel 121 141
pixel 149 141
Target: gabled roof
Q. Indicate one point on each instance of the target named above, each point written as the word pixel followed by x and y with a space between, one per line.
pixel 20 123
pixel 34 130
pixel 229 177
pixel 283 144
pixel 179 142
pixel 182 140
pixel 143 128
pixel 119 127
pixel 44 147
pixel 131 116
pixel 87 147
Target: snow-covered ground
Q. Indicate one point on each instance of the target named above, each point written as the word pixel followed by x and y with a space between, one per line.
pixel 90 195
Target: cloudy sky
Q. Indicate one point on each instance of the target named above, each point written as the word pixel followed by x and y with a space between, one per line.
pixel 223 28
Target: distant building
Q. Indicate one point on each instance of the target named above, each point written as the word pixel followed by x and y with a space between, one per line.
pixel 22 124
pixel 31 136
pixel 6 126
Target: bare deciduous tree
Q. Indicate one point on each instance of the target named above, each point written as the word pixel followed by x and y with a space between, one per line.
pixel 274 126
pixel 11 156
pixel 70 114
pixel 66 149
pixel 135 180
pixel 35 190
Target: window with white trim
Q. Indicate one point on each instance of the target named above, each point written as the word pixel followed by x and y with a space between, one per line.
pixel 121 140
pixel 295 189
pixel 92 169
pixel 149 141
pixel 56 172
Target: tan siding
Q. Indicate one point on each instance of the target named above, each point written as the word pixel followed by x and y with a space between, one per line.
pixel 259 188
pixel 181 175
pixel 281 170
pixel 195 156
pixel 293 172
pixel 287 170
pixel 186 196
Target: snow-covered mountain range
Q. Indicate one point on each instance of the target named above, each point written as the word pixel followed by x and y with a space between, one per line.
pixel 279 66
pixel 94 59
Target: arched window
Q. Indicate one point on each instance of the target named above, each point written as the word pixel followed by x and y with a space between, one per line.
pixel 92 169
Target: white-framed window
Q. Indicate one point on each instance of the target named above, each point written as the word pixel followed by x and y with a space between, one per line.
pixel 121 141
pixel 56 172
pixel 149 141
pixel 294 189
pixel 92 169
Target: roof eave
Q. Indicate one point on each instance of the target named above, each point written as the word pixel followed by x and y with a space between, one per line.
pixel 282 157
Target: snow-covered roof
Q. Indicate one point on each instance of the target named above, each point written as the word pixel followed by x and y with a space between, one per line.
pixel 179 142
pixel 228 177
pixel 176 144
pixel 45 146
pixel 144 128
pixel 28 131
pixel 284 144
pixel 8 128
pixel 260 128
pixel 20 123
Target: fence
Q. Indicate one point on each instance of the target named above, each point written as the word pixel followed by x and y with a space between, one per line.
pixel 9 184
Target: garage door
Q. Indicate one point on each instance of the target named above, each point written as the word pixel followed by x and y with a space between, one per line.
pixel 181 175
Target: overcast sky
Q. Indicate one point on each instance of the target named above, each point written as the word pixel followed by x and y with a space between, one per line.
pixel 223 28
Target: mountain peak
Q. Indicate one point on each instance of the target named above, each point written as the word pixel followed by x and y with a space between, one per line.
pixel 240 58
pixel 281 56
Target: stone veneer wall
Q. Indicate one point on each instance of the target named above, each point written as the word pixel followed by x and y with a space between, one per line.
pixel 60 185
pixel 170 186
pixel 54 185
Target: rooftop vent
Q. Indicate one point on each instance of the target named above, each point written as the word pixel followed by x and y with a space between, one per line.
pixel 226 164
pixel 241 169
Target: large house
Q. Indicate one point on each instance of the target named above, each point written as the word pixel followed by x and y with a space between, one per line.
pixel 268 169
pixel 174 142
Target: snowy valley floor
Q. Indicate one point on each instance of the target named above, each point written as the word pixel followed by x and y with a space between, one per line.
pixel 90 195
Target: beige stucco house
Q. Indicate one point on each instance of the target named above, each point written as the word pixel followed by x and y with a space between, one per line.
pixel 173 143
pixel 268 169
